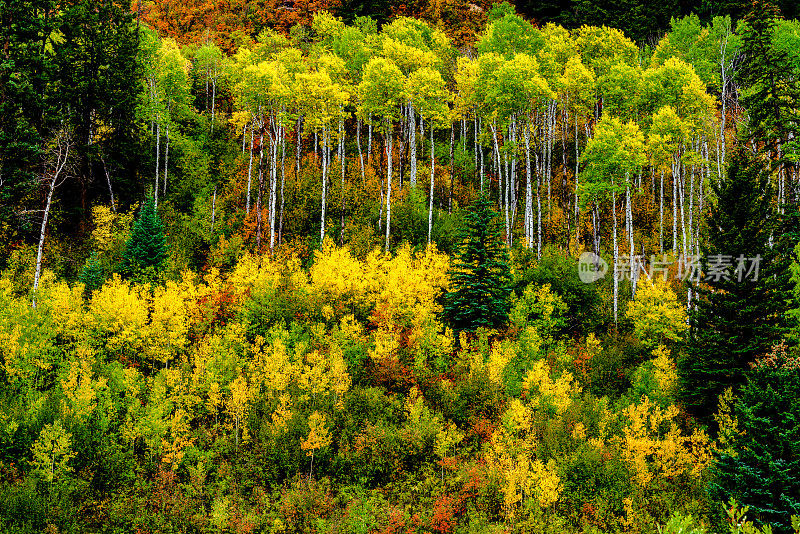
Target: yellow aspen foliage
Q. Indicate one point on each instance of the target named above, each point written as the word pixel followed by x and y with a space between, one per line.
pixel 652 444
pixel 318 434
pixel 407 283
pixel 110 229
pixel 539 308
pixel 502 352
pixel 167 332
pixel 65 304
pixel 273 368
pixel 728 424
pixel 656 313
pixel 446 440
pixel 179 439
pixel 254 269
pixel 340 380
pixel 556 394
pixel 118 317
pixel 430 340
pixel 282 414
pixel 52 452
pixel 511 457
pixel 386 345
pixel 665 370
pixel 337 276
pixel 80 386
pixel 237 407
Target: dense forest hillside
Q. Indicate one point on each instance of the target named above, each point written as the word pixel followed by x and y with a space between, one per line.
pixel 387 267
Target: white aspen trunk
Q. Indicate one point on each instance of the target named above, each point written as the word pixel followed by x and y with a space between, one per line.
pixel 299 146
pixel 480 148
pixel 62 155
pixel 108 180
pixel 661 215
pixel 577 203
pixel 360 154
pixel 452 169
pixel 260 195
pixel 250 171
pixel 430 193
pixel 528 189
pixel 681 192
pixel 158 153
pixel 166 161
pixel 616 252
pixel 283 182
pixel 369 139
pixel 475 142
pixel 538 216
pixel 629 218
pixel 342 163
pixel 273 188
pixel 213 100
pixel 551 120
pixel 675 176
pixel 388 182
pixel 324 180
pixel 213 209
pixel 412 144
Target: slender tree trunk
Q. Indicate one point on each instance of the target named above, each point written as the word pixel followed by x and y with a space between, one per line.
pixel 250 171
pixel 369 140
pixel 661 214
pixel 412 144
pixel 342 163
pixel 62 154
pixel 283 182
pixel 298 148
pixel 166 161
pixel 360 154
pixel 213 209
pixel 528 190
pixel 108 180
pixel 158 153
pixel 430 194
pixel 260 195
pixel 324 181
pixel 388 182
pixel 273 187
pixel 452 168
pixel 616 252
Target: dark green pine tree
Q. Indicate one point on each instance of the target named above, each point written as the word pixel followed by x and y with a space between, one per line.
pixel 146 249
pixel 480 280
pixel 92 275
pixel 734 321
pixel 770 89
pixel 761 468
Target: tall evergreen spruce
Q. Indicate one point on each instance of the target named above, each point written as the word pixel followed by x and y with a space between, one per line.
pixel 146 249
pixel 770 89
pixel 92 275
pixel 760 470
pixel 480 280
pixel 737 316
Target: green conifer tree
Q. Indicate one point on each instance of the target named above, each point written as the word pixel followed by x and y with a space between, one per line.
pixel 479 279
pixel 146 249
pixel 92 275
pixel 738 313
pixel 760 469
pixel 769 86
